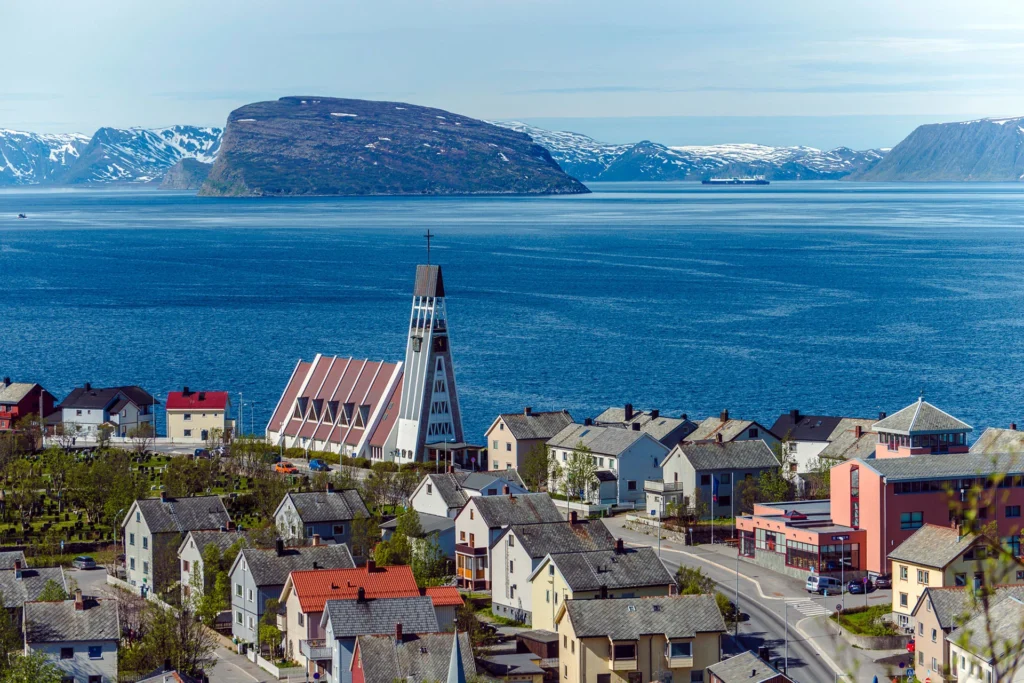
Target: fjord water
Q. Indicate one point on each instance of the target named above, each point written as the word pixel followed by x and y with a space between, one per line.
pixel 830 297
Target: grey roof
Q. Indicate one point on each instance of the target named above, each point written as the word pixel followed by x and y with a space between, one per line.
pixel 633 568
pixel 539 540
pixel 448 485
pixel 994 440
pixel 430 523
pixel 478 481
pixel 181 515
pixel 921 418
pixel 676 616
pixel 945 466
pixel 950 604
pixel 661 427
pixel 745 667
pixel 728 455
pixel 605 475
pixel 222 539
pixel 525 508
pixel 805 427
pixel 731 428
pixel 601 440
pixel 423 657
pixel 101 398
pixel 18 591
pixel 351 618
pixel 8 557
pixel 333 506
pixel 844 444
pixel 162 676
pixel 1005 620
pixel 536 425
pixel 520 664
pixel 15 391
pixel 933 546
pixel 270 569
pixel 59 622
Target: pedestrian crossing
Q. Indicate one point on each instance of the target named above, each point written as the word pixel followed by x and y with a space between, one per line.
pixel 808 607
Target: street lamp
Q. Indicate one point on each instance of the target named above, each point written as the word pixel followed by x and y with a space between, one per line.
pixel 737 608
pixel 787 639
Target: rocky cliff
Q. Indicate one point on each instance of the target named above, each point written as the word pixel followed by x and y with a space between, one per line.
pixel 187 174
pixel 326 146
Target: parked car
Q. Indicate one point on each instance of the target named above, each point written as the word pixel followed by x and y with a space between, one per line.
pixel 823 584
pixel 860 586
pixel 317 465
pixel 883 581
pixel 201 453
pixel 286 467
pixel 83 562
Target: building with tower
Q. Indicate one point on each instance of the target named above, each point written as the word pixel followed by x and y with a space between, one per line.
pixel 403 411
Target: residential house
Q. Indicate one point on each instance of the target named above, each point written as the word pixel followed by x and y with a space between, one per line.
pixel 629 456
pixel 936 557
pixel 995 440
pixel 618 573
pixel 668 430
pixel 18 399
pixel 190 556
pixel 938 612
pixel 11 559
pixel 988 640
pixel 624 640
pixel 518 550
pixel 345 620
pixel 121 408
pixel 167 674
pixel 805 436
pixel 327 514
pixel 710 470
pixel 512 435
pixel 445 494
pixel 440 529
pixel 153 530
pixel 259 575
pixel 745 667
pixel 21 584
pixel 480 522
pixel 80 636
pixel 851 439
pixel 725 428
pixel 521 667
pixel 198 416
pixel 434 657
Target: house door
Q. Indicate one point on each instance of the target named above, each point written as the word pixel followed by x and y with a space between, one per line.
pixel 205 434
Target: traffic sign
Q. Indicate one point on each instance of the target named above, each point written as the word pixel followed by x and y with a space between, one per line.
pixel 910 673
pixel 839 608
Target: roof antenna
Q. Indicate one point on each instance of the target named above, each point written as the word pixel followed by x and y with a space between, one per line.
pixel 428 236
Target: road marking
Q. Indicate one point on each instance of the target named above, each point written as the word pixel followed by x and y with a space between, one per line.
pixel 808 607
pixel 230 663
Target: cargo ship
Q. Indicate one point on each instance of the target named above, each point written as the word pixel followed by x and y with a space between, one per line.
pixel 755 180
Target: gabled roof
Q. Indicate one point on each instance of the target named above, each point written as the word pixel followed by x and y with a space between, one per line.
pixel 162 676
pixel 270 569
pixel 180 515
pixel 519 664
pixel 8 557
pixel 429 523
pixel 745 667
pixel 327 506
pixel 1005 621
pixel 711 427
pixel 728 455
pixel 950 604
pixel 60 622
pixel 994 440
pixel 222 539
pixel 316 587
pixel 449 487
pixel 17 591
pixel 657 425
pixel 921 418
pixel 423 657
pixel 944 466
pixel 800 427
pixel 350 618
pixel 844 443
pixel 15 391
pixel 528 426
pixel 546 538
pixel 601 440
pixel 197 400
pixel 429 282
pixel 443 596
pixel 589 571
pixel 934 546
pixel 100 398
pixel 525 508
pixel 677 616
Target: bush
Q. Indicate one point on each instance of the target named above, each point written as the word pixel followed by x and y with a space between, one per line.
pixel 362 463
pixel 384 467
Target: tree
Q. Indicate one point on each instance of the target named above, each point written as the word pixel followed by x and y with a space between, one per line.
pixel 268 490
pixel 174 635
pixel 52 592
pixel 467 622
pixel 536 469
pixel 773 487
pixel 409 524
pixel 59 465
pixel 65 434
pixel 25 485
pixel 188 477
pixel 214 437
pixel 365 534
pixel 11 637
pixel 32 668
pixel 404 483
pixel 429 563
pixel 747 495
pixel 819 478
pixel 103 434
pixel 269 633
pixel 580 472
pixel 693 581
pixel 698 508
pixel 142 437
pixel 250 456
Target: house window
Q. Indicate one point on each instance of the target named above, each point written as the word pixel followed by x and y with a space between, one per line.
pixel 252 622
pixel 238 618
pixel 566 672
pixel 724 478
pixel 565 641
pixel 903 599
pixel 238 590
pixel 960 580
pixel 903 572
pixel 131 563
pixel 250 595
pixel 471 513
pixel 922 576
pixel 705 480
pixel 188 417
pixel 631 486
pixel 511 541
pixel 462 535
pixel 495 444
pixel 752 433
pixel 301 618
pixel 95 679
pixel 494 464
pixel 78 413
pixel 145 542
pixel 920 628
pixel 681 650
pixel 472 540
pixel 551 570
pixel 501 426
pixel 430 489
pixel 935 635
pixel 145 567
pixel 67 653
pixel 1013 510
pixel 131 539
pixel 624 651
pixel 572 647
pixel 138 516
pixel 184 565
pixel 725 500
pixel 511 567
pixel 607 678
pixel 697 676
pixel 188 432
pixel 95 652
pixel 547 596
pixel 309 532
pixel 911 520
pixel 339 529
pixel 508 446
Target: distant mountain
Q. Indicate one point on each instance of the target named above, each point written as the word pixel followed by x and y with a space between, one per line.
pixel 139 155
pixel 985 149
pixel 325 146
pixel 187 174
pixel 32 158
pixel 588 159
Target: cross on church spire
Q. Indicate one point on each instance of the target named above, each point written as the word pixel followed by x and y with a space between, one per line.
pixel 428 236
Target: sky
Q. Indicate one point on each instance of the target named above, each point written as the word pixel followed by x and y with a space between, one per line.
pixel 824 74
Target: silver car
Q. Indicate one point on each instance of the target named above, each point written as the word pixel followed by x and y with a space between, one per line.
pixel 83 562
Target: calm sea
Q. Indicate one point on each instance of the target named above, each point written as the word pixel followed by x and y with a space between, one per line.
pixel 834 298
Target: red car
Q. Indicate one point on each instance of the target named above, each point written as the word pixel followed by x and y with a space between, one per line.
pixel 285 467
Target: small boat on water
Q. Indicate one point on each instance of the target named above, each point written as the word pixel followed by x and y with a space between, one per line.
pixel 755 180
pixel 21 215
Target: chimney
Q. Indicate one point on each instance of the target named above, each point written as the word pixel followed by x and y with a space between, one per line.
pixel 398 632
pixel 316 565
pixel 229 525
pixel 7 381
pixel 684 416
pixel 451 469
pixel 17 569
pixel 316 539
pixel 79 601
pixel 361 595
pixel 527 411
pixel 167 665
pixel 655 414
pixel 573 518
pixel 202 395
pixel 604 592
pixel 163 496
pixel 629 412
pixel 1013 426
pixel 330 486
pixel 371 566
pixel 185 392
pixel 587 422
pixel 881 415
pixel 857 431
pixel 794 415
pixel 724 417
pixel 505 489
pixel 279 546
pixel 718 437
pixel 619 546
pixel 88 386
pixel 636 426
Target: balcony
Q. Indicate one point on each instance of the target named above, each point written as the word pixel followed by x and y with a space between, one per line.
pixel 660 486
pixel 679 662
pixel 315 650
pixel 464 549
pixel 624 664
pixel 624 657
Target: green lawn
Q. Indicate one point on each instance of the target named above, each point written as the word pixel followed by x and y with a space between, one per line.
pixel 867 621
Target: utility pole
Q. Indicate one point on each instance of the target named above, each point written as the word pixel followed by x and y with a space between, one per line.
pixel 787 639
pixel 241 414
pixel 737 609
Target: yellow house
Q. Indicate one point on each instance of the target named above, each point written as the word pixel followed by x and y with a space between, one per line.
pixel 636 640
pixel 617 573
pixel 936 557
pixel 198 416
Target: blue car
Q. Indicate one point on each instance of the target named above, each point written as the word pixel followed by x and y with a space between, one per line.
pixel 317 465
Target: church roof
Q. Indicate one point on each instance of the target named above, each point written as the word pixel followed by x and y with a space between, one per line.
pixel 428 281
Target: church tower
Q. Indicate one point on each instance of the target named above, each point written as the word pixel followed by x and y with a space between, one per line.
pixel 429 410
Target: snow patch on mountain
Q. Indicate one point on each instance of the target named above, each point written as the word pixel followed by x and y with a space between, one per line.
pixel 30 158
